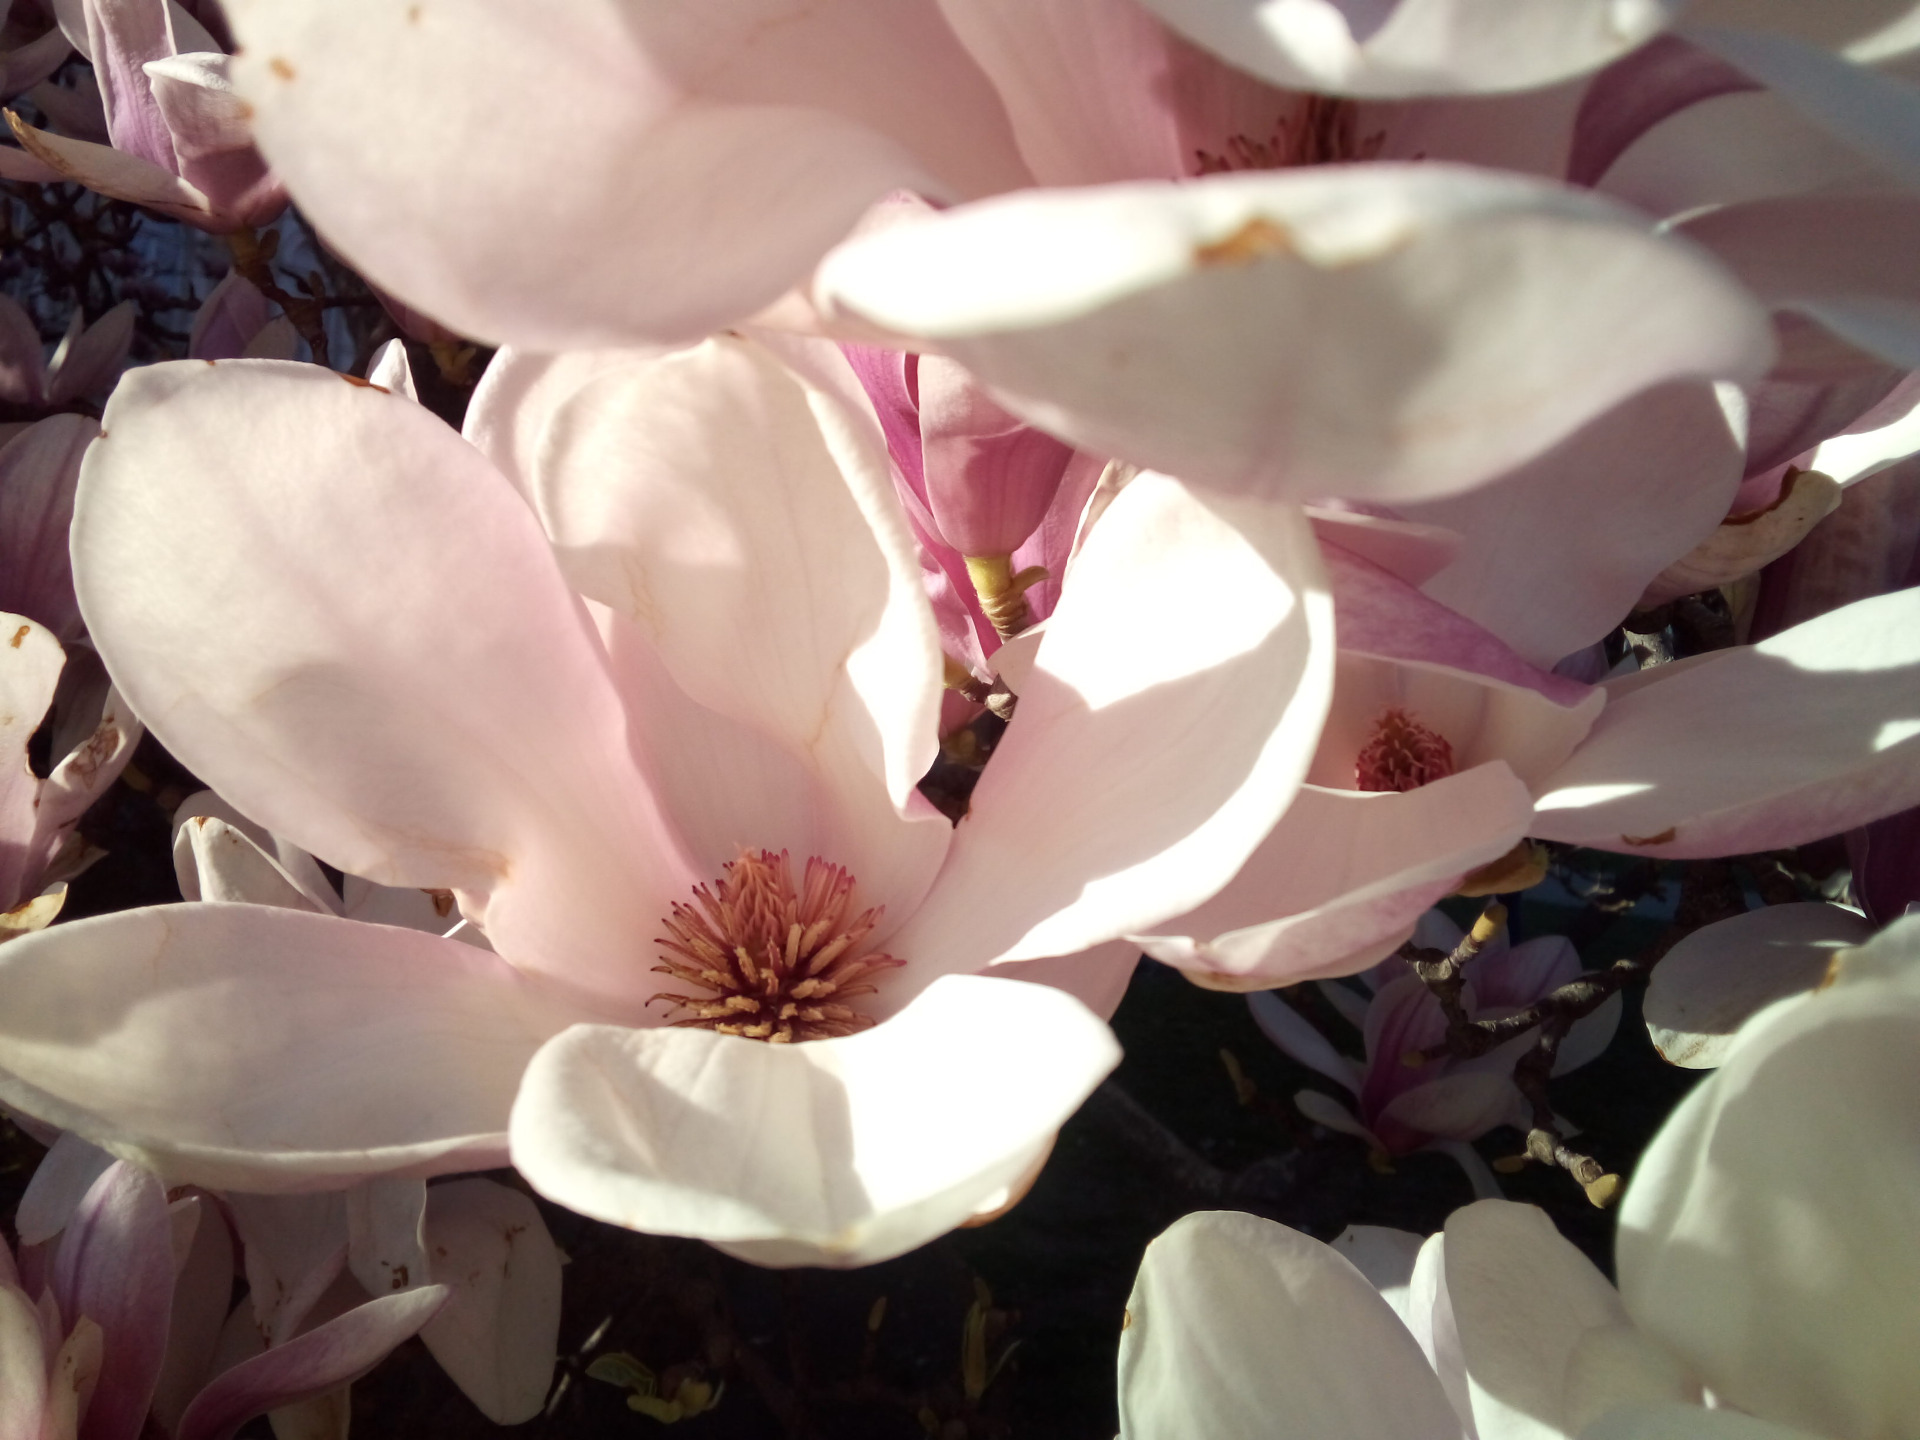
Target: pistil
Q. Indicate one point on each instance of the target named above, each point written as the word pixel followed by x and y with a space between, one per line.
pixel 779 963
pixel 1402 755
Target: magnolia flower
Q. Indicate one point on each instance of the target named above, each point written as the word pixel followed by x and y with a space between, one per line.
pixel 180 137
pixel 1443 749
pixel 1402 1107
pixel 86 361
pixel 663 752
pixel 121 1312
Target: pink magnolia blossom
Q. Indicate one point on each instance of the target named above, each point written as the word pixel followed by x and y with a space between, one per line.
pixel 1402 1107
pixel 687 646
pixel 86 361
pixel 179 136
pixel 117 1310
pixel 1750 748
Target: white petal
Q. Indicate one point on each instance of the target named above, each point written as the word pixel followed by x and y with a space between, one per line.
pixel 497 1334
pixel 832 1152
pixel 1241 1329
pixel 1721 975
pixel 1545 1338
pixel 321 1047
pixel 1768 1233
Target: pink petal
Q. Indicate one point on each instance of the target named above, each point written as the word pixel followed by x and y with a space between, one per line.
pixel 517 396
pixel 990 477
pixel 213 136
pixel 834 1152
pixel 30 667
pixel 115 1267
pixel 216 861
pixel 704 162
pixel 295 1248
pixel 1754 748
pixel 336 1353
pixel 96 1011
pixel 25 66
pixel 114 173
pixel 1150 754
pixel 1099 90
pixel 23 368
pixel 1190 328
pixel 1343 877
pixel 1637 92
pixel 1840 258
pixel 434 714
pixel 228 319
pixel 122 35
pixel 1406 550
pixel 38 470
pixel 202 1295
pixel 1417 47
pixel 93 360
pixel 23 1368
pixel 1558 550
pixel 497 1335
pixel 745 524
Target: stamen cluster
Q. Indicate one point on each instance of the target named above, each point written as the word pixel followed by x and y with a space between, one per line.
pixel 1325 132
pixel 1403 755
pixel 780 964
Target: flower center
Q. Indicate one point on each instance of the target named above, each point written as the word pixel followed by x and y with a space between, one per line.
pixel 779 964
pixel 1326 131
pixel 1403 755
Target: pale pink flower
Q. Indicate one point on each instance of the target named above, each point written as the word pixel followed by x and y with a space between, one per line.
pixel 695 636
pixel 86 361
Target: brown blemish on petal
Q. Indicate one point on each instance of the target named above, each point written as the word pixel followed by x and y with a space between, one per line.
pixel 413 14
pixel 442 901
pixel 1258 239
pixel 1662 838
pixel 355 380
pixel 399 1277
pixel 280 68
pixel 19 635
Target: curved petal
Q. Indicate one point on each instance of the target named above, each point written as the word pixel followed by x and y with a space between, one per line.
pixel 1555 552
pixel 339 616
pixel 1416 47
pixel 703 161
pixel 60 1181
pixel 113 173
pixel 745 524
pixel 114 1267
pixel 1211 329
pixel 39 469
pixel 1723 974
pixel 94 358
pixel 1752 748
pixel 1633 95
pixel 333 1354
pixel 217 861
pixel 1768 1233
pixel 1463 1106
pixel 202 1300
pixel 832 1152
pixel 1340 881
pixel 321 1047
pixel 1241 1329
pixel 1287 1028
pixel 1546 1340
pixel 497 1335
pixel 1149 754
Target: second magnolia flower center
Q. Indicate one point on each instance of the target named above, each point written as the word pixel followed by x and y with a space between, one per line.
pixel 779 962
